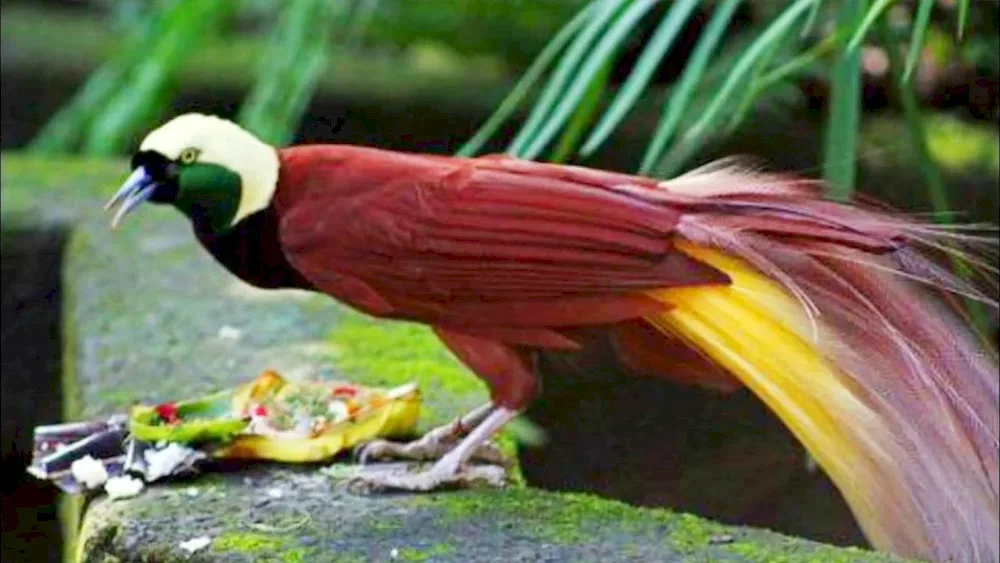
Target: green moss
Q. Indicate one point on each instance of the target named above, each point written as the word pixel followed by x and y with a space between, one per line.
pixel 437 550
pixel 248 542
pixel 385 525
pixel 96 542
pixel 264 547
pixel 689 533
pixel 756 553
pixel 393 353
pixel 74 176
pixel 764 553
pixel 39 191
pixel 570 517
pixel 409 554
pixel 441 550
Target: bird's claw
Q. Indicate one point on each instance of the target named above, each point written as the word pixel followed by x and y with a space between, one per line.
pixel 418 450
pixel 456 456
pixel 425 450
pixel 372 480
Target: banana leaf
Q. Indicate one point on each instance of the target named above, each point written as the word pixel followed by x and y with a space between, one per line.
pixel 223 421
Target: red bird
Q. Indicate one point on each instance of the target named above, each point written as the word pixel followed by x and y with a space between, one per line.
pixel 834 314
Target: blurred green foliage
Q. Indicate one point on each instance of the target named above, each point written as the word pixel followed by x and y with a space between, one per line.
pixel 290 70
pixel 129 91
pixel 470 27
pixel 589 78
pixel 733 70
pixel 512 30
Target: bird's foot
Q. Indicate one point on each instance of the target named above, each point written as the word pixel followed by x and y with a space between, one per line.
pixel 453 469
pixel 392 477
pixel 436 443
pixel 428 448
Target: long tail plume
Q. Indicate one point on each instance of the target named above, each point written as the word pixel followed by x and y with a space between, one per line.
pixel 835 320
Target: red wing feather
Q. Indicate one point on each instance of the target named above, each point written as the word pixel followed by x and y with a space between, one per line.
pixel 489 242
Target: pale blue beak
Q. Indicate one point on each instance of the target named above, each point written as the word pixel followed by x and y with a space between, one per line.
pixel 138 188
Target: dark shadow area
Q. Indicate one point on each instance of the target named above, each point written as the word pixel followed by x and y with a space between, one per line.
pixel 650 442
pixel 31 383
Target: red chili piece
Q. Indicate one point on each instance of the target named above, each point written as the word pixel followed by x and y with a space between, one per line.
pixel 345 390
pixel 168 413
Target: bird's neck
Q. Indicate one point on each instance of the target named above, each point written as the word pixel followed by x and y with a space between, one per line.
pixel 251 250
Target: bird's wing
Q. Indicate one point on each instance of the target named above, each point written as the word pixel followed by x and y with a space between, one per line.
pixel 485 238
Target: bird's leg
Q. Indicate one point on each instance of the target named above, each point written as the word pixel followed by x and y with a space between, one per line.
pixel 450 470
pixel 436 443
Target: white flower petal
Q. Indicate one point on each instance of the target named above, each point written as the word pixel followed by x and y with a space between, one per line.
pixel 89 472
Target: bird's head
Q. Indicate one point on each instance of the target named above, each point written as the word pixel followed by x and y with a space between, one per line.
pixel 210 169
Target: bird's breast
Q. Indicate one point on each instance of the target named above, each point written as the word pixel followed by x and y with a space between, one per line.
pixel 252 252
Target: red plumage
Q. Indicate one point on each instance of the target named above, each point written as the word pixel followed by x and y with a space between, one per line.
pixel 840 317
pixel 491 248
pixel 503 256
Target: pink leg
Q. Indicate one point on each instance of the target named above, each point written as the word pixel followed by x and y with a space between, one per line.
pixel 507 372
pixel 450 469
pixel 436 443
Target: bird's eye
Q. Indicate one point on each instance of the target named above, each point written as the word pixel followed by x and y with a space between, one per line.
pixel 189 155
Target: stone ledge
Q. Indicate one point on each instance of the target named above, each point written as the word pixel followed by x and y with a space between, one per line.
pixel 315 520
pixel 142 316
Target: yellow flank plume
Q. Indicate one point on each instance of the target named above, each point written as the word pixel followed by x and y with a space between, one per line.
pixel 762 335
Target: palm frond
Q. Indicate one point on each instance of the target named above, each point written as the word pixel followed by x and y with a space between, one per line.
pixel 604 12
pixel 841 137
pixel 290 69
pixel 528 79
pixel 963 17
pixel 920 26
pixel 150 85
pixel 871 15
pixel 689 80
pixel 602 54
pixel 752 91
pixel 661 41
pixel 697 134
pixel 64 131
pixel 582 117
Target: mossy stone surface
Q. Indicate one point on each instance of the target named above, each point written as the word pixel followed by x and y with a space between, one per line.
pixel 144 308
pixel 315 519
